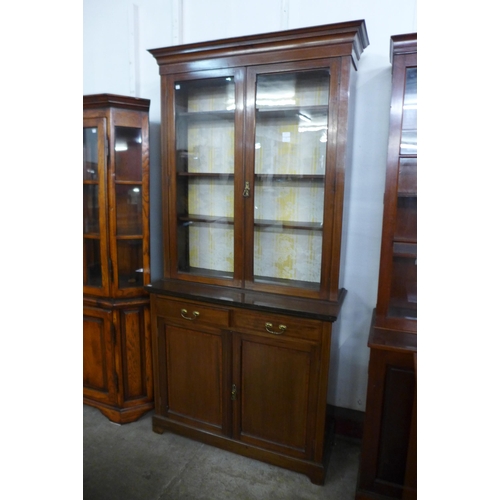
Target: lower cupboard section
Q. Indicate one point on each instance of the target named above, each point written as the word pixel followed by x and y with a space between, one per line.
pixel 117 364
pixel 388 465
pixel 241 386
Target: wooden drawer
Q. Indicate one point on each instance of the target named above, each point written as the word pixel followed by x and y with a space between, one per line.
pixel 269 323
pixel 188 313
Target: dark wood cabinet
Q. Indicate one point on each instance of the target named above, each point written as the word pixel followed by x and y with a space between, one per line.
pixel 388 467
pixel 117 365
pixel 252 380
pixel 255 146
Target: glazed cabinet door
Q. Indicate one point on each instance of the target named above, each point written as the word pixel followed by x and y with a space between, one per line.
pixel 253 175
pixel 274 393
pixel 292 218
pixel 191 370
pixel 99 375
pixel 204 176
pixel 95 236
pixel 129 202
pixel 397 295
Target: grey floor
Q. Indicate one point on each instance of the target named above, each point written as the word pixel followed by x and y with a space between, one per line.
pixel 131 462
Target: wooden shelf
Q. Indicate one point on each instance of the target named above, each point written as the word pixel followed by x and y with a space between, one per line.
pixel 287 111
pixel 206 115
pixel 208 175
pixel 258 223
pixel 209 219
pixel 310 226
pixel 289 177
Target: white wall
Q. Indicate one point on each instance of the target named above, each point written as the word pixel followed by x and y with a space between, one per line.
pixel 117 34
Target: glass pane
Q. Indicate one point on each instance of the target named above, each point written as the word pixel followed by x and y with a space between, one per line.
pixel 91 209
pixel 290 151
pixel 403 295
pixel 296 255
pixel 409 129
pixel 92 273
pixel 205 175
pixel 406 219
pixel 407 180
pixel 128 210
pixel 130 270
pixel 208 250
pixel 128 154
pixel 90 154
pixel 289 201
pixel 306 88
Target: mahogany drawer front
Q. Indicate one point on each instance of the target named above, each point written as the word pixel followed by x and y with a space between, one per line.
pixel 270 323
pixel 192 313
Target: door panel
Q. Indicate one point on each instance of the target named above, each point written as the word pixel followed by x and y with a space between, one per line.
pixel 275 401
pixel 135 353
pixel 95 246
pixel 194 373
pixel 98 371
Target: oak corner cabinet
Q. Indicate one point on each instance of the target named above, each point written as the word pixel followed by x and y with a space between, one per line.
pixel 117 364
pixel 255 146
pixel 388 464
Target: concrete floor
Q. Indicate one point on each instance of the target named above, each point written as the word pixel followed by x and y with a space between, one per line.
pixel 131 462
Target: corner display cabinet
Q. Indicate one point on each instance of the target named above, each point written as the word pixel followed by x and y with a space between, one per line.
pixel 117 365
pixel 254 147
pixel 388 467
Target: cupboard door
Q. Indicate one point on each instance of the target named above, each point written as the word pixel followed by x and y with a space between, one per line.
pixel 95 246
pixel 99 376
pixel 192 377
pixel 205 176
pixel 274 393
pixel 388 452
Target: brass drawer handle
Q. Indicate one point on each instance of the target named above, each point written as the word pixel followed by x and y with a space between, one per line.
pixel 281 328
pixel 184 313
